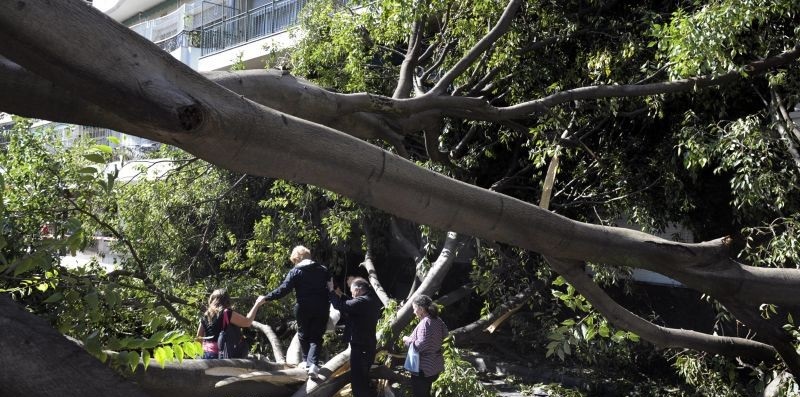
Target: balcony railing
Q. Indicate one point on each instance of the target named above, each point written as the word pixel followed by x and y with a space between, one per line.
pixel 185 18
pixel 216 27
pixel 230 30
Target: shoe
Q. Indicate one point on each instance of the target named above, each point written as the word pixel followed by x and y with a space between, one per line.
pixel 302 365
pixel 313 371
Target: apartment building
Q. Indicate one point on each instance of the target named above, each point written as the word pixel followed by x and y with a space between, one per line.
pixel 204 34
pixel 210 34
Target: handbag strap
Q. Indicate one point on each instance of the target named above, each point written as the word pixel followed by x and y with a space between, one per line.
pixel 225 320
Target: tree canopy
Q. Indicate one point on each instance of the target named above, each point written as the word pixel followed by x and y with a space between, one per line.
pixel 546 131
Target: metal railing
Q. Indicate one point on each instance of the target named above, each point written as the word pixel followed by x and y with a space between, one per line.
pixel 216 27
pixel 182 40
pixel 185 18
pixel 133 147
pixel 229 30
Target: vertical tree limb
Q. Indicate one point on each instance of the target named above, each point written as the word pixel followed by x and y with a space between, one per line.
pixel 274 341
pixel 406 77
pixel 500 28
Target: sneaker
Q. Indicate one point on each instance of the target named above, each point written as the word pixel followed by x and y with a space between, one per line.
pixel 302 365
pixel 313 371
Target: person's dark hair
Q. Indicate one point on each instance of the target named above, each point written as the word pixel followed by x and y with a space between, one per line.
pixel 425 302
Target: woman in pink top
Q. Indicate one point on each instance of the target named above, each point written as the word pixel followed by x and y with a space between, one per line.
pixel 211 321
pixel 427 339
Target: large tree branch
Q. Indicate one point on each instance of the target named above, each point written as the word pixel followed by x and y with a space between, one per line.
pixel 663 337
pixel 19 88
pixel 344 112
pixel 774 334
pixel 274 341
pixel 632 90
pixel 574 273
pixel 372 272
pixel 480 109
pixel 466 334
pixel 432 280
pixel 272 88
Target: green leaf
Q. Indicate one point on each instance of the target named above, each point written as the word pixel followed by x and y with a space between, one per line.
pixel 178 350
pixel 92 301
pixel 24 265
pixel 160 354
pixel 192 349
pixel 112 297
pixel 133 360
pixel 150 343
pixel 159 336
pixel 169 354
pixel 95 158
pixel 103 148
pixel 88 170
pixel 146 359
pixel 92 344
pixel 113 140
pixel 54 298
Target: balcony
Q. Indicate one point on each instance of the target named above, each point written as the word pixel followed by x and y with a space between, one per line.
pixel 224 28
pixel 214 27
pixel 173 30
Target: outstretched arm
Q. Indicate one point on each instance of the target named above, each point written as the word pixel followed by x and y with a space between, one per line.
pixel 286 286
pixel 245 322
pixel 201 331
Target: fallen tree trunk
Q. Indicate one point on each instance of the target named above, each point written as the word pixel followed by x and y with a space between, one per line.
pixel 192 378
pixel 37 360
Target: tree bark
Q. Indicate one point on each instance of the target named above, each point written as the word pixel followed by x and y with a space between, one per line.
pixel 274 341
pixel 38 361
pixel 431 283
pixel 199 378
pixel 660 336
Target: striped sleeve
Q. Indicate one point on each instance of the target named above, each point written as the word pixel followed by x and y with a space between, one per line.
pixel 427 339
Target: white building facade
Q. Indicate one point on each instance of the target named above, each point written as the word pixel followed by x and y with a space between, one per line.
pixel 210 34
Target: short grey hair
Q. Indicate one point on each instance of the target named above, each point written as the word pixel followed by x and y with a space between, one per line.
pixel 299 253
pixel 360 283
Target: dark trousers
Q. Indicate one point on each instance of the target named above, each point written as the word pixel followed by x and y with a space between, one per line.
pixel 421 384
pixel 361 358
pixel 310 329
